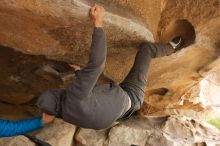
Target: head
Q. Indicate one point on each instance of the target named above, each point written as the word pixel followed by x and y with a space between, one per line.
pixel 50 102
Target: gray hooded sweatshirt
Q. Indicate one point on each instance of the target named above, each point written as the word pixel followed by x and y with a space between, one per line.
pixel 84 103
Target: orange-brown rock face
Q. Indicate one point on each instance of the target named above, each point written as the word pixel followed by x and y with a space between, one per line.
pixel 61 30
pixel 175 82
pixel 48 34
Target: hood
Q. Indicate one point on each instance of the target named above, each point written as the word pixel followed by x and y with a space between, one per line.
pixel 50 102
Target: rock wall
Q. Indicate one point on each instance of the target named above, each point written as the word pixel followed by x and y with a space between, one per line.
pixel 61 30
pixel 141 131
pixel 47 35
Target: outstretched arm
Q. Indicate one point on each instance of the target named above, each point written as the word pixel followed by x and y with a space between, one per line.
pixel 88 76
pixel 13 128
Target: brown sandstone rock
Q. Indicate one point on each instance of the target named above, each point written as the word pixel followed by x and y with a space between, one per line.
pixel 59 133
pixel 61 30
pixel 155 131
pixel 91 137
pixel 24 77
pixel 184 83
pixel 16 141
pixel 56 28
pixel 12 112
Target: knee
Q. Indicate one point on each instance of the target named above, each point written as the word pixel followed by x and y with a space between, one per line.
pixel 148 46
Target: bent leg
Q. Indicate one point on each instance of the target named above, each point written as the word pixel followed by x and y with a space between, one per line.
pixel 136 80
pixel 138 74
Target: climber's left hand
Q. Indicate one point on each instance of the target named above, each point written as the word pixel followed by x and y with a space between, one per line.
pixel 97 13
pixel 47 118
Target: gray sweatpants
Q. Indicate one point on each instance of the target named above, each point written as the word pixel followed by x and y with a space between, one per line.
pixel 136 80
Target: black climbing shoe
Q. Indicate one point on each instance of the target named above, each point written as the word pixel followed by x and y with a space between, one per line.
pixel 176 43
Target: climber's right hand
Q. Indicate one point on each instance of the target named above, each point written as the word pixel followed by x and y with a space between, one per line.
pixel 97 14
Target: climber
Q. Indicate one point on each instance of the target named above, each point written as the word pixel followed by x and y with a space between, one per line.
pixel 86 104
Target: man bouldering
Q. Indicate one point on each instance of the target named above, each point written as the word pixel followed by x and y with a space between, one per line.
pixel 88 105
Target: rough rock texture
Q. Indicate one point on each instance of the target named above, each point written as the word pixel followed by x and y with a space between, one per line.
pixel 61 30
pixel 16 141
pixel 58 133
pixel 177 78
pixel 56 28
pixel 185 83
pixel 14 112
pixel 141 131
pixel 152 131
pixel 91 137
pixel 23 77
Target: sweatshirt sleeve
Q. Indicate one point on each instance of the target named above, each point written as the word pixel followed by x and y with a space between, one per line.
pixel 13 128
pixel 88 76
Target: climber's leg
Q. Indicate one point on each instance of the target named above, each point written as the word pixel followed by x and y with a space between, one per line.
pixel 136 80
